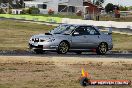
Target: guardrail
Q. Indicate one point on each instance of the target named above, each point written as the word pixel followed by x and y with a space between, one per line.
pixel 99 23
pixel 70 21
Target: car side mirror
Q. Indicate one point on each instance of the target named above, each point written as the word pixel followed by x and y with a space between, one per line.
pixel 75 33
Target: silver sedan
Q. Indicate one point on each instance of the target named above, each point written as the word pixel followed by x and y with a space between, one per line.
pixel 72 38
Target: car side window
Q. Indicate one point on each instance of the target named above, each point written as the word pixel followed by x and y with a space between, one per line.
pixel 81 30
pixel 91 30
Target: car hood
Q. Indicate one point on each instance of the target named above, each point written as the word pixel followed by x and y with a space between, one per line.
pixel 43 36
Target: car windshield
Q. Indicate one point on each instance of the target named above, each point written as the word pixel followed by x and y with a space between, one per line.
pixel 63 29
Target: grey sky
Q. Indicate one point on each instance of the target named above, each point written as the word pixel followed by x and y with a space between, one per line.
pixel 120 2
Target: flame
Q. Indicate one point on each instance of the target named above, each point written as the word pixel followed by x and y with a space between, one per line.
pixel 84 73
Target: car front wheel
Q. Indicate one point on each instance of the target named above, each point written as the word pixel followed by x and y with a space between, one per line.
pixel 102 49
pixel 63 48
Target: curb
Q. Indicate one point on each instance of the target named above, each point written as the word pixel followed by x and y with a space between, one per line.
pixel 121 52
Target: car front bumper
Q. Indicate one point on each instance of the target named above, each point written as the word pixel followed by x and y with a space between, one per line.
pixel 45 47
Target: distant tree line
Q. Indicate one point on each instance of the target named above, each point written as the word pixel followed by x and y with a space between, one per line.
pixel 110 8
pixel 130 7
pixel 6 1
pixel 98 2
pixel 124 8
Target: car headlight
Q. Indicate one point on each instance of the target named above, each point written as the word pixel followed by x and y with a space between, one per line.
pixel 31 39
pixel 51 40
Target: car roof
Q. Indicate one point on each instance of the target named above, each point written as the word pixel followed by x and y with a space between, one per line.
pixel 76 25
pixel 81 25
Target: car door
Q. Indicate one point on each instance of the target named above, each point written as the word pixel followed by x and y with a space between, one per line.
pixel 79 41
pixel 93 37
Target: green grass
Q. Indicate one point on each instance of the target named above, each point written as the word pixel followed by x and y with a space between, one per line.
pixel 2 69
pixel 15 35
pixel 3 86
pixel 72 16
pixel 57 18
pixel 34 17
pixel 12 69
pixel 122 41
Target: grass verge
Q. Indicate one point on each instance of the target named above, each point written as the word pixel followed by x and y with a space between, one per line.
pixel 14 35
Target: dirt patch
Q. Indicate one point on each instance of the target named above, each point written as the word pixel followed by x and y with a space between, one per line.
pixel 59 72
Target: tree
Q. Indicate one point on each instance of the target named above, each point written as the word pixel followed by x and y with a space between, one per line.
pixel 19 3
pixel 123 8
pixel 5 1
pixel 98 2
pixel 130 7
pixel 109 7
pixel 14 3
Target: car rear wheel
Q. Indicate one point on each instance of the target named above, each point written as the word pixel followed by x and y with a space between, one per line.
pixel 63 48
pixel 38 51
pixel 102 49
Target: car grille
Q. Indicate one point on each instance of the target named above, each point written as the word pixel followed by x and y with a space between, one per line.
pixel 38 47
pixel 38 40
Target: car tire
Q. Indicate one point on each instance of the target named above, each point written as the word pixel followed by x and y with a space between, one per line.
pixel 102 49
pixel 38 51
pixel 63 48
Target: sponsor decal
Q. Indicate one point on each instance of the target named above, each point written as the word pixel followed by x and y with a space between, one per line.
pixel 86 81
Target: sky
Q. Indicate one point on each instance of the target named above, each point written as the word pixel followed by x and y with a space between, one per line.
pixel 120 2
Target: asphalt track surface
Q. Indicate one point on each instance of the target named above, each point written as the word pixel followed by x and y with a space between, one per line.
pixel 70 54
